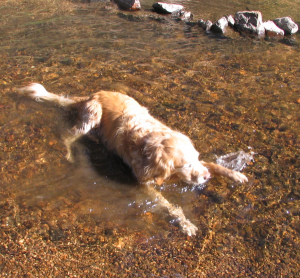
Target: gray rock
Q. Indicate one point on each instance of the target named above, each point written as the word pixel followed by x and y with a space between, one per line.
pixel 286 24
pixel 220 25
pixel 206 25
pixel 166 8
pixel 132 5
pixel 272 30
pixel 249 21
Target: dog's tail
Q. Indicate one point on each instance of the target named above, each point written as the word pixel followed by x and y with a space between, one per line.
pixel 39 93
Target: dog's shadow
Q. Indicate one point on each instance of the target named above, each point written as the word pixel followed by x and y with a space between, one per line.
pixel 106 163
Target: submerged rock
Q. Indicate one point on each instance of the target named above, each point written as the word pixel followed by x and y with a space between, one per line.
pixel 249 21
pixel 272 30
pixel 220 25
pixel 286 24
pixel 132 5
pixel 166 8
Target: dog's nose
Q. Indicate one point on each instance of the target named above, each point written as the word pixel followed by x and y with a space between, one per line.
pixel 207 176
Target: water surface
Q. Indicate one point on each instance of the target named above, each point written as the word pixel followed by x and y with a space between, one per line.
pixel 227 93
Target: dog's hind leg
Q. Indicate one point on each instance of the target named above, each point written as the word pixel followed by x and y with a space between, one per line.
pixel 89 117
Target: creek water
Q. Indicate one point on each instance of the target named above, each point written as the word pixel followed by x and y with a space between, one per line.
pixel 228 93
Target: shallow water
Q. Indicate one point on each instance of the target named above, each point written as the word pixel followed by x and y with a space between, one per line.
pixel 227 93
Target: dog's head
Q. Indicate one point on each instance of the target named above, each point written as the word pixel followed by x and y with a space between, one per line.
pixel 175 158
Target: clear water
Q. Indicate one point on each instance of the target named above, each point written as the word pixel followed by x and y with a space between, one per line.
pixel 226 93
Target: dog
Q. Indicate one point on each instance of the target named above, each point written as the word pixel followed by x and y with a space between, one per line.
pixel 155 153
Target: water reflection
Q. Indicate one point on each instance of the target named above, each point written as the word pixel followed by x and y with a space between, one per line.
pixel 226 94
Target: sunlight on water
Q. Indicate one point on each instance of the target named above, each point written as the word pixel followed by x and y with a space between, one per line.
pixel 225 92
pixel 236 161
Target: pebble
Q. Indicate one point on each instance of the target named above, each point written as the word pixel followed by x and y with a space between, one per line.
pixel 9 137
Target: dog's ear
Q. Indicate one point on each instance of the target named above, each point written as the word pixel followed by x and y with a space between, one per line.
pixel 159 153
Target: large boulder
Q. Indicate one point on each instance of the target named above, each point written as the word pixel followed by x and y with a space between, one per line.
pixel 286 24
pixel 249 21
pixel 165 8
pixel 132 5
pixel 272 30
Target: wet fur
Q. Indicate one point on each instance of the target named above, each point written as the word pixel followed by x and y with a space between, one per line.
pixel 155 153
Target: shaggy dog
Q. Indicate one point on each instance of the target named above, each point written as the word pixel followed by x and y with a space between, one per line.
pixel 155 153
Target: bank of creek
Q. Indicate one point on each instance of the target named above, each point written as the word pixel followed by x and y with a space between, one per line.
pixel 228 93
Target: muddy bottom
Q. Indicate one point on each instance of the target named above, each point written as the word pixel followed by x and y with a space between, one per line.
pixel 230 94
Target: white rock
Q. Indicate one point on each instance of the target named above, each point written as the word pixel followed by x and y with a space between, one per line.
pixel 186 16
pixel 286 24
pixel 230 20
pixel 220 25
pixel 161 7
pixel 205 24
pixel 272 30
pixel 183 15
pixel 250 21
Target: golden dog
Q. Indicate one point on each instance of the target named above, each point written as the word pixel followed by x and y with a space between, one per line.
pixel 155 153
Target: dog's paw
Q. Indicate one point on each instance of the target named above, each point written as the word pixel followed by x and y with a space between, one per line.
pixel 188 228
pixel 239 177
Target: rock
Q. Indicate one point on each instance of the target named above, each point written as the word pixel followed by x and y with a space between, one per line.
pixel 249 21
pixel 66 61
pixel 206 25
pixel 286 24
pixel 183 15
pixel 166 8
pixel 220 25
pixel 132 5
pixel 186 16
pixel 230 20
pixel 272 30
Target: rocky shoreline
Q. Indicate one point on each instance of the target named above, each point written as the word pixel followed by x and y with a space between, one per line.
pixel 244 22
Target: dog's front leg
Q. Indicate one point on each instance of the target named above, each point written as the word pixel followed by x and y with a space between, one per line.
pixel 216 169
pixel 186 225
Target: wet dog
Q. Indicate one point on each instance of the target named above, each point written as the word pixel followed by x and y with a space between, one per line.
pixel 155 153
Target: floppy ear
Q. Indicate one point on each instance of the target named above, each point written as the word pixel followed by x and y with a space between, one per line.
pixel 159 157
